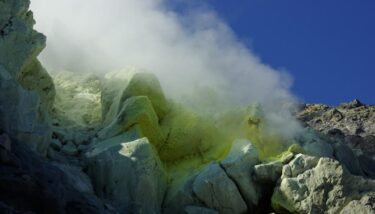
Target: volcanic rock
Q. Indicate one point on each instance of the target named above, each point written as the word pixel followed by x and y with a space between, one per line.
pixel 218 191
pixel 318 185
pixel 27 91
pixel 130 174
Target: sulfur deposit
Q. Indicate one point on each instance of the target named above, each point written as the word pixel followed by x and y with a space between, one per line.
pixel 115 143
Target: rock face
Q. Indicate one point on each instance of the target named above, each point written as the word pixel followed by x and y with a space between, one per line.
pixel 217 191
pixel 130 174
pixel 349 120
pixel 121 85
pixel 349 131
pixel 27 90
pixel 319 185
pixel 135 111
pixel 239 166
pixel 29 184
pixel 117 145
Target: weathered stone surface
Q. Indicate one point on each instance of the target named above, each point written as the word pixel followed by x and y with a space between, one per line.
pixel 217 191
pixel 121 85
pixel 346 157
pixel 27 90
pixel 317 185
pixel 365 205
pixel 77 105
pixel 146 84
pixel 348 119
pixel 28 184
pixel 268 172
pixel 135 111
pixel 189 135
pixel 130 174
pixel 239 166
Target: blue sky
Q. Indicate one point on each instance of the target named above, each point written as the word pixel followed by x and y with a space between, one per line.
pixel 327 46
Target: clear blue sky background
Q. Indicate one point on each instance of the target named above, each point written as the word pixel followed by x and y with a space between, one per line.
pixel 328 46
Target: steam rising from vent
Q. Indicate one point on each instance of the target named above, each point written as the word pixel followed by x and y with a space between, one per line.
pixel 197 57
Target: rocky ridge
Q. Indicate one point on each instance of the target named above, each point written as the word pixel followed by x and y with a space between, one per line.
pixel 148 154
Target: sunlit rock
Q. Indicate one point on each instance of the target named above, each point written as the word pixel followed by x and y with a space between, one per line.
pixel 128 173
pixel 77 103
pixel 317 185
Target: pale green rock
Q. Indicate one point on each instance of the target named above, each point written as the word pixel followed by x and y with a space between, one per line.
pixel 217 191
pixel 364 205
pixel 120 85
pixel 130 174
pixel 146 84
pixel 268 172
pixel 317 185
pixel 239 166
pixel 27 89
pixel 135 111
pixel 190 136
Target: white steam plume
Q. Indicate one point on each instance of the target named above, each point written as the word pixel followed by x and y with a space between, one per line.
pixel 188 53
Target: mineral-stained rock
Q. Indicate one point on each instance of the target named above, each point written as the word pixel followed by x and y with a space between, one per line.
pixel 317 185
pixel 27 91
pixel 130 174
pixel 239 166
pixel 121 85
pixel 218 191
pixel 190 135
pixel 135 111
pixel 146 84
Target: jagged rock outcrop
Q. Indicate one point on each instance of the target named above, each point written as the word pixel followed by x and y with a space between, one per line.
pixel 128 173
pixel 318 185
pixel 239 166
pixel 30 184
pixel 118 86
pixel 27 91
pixel 226 186
pixel 348 120
pixel 136 110
pixel 348 129
pixel 116 144
pixel 216 190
